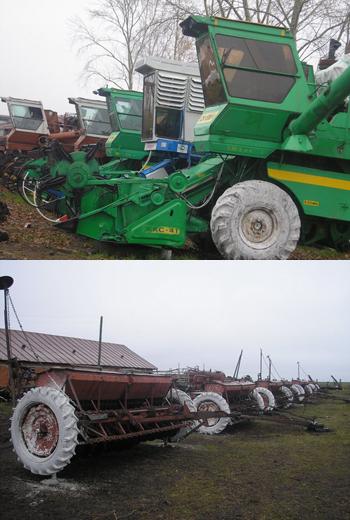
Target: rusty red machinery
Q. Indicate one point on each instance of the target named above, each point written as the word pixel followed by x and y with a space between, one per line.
pixel 29 128
pixel 90 126
pixel 21 134
pixel 71 407
pixel 213 390
pixel 281 391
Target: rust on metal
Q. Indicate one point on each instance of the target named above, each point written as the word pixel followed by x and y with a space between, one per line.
pixel 40 430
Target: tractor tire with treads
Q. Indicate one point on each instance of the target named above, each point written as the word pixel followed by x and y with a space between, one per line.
pixel 44 430
pixel 298 392
pixel 309 389
pixel 255 220
pixel 211 401
pixel 255 396
pixel 180 397
pixel 288 396
pixel 268 398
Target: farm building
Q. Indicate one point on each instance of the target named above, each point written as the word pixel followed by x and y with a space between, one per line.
pixel 36 350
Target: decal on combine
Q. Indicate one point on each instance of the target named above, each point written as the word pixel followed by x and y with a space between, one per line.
pixel 314 203
pixel 162 230
pixel 207 118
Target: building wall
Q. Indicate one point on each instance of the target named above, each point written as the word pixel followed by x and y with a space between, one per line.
pixel 4 376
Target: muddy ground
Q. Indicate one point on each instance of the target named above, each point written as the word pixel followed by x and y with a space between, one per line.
pixel 32 238
pixel 259 470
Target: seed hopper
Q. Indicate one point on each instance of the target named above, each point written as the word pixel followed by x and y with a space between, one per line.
pixel 72 407
pixel 214 391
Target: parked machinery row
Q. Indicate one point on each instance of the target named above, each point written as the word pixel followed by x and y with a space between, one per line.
pixel 252 153
pixel 214 391
pixel 70 407
pixel 29 128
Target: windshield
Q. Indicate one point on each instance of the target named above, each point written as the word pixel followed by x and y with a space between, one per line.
pixel 213 90
pixel 26 117
pixel 168 123
pixel 254 69
pixel 148 107
pixel 95 120
pixel 129 113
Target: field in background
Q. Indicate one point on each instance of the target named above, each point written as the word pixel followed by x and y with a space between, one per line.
pixel 32 238
pixel 257 471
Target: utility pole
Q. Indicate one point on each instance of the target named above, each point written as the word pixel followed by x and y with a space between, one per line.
pixel 261 360
pixel 298 363
pixel 270 363
pixel 100 343
pixel 5 283
pixel 236 372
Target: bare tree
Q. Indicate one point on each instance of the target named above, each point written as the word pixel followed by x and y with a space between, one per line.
pixel 115 34
pixel 312 22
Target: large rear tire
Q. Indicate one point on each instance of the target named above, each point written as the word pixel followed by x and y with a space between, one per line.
pixel 180 397
pixel 255 220
pixel 299 392
pixel 212 402
pixel 44 430
pixel 287 398
pixel 268 398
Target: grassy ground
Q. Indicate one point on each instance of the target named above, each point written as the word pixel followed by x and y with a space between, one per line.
pixel 260 470
pixel 32 238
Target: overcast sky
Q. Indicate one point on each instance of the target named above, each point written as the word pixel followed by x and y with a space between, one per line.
pixel 195 313
pixel 38 61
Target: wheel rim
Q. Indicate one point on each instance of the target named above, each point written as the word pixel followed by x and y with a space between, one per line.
pixel 40 430
pixel 209 406
pixel 258 228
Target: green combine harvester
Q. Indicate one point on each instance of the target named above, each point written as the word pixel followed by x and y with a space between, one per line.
pixel 268 168
pixel 123 150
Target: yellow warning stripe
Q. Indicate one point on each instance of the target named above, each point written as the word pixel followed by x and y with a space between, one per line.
pixel 304 178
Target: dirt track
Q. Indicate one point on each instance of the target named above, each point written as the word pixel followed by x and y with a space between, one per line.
pixel 258 471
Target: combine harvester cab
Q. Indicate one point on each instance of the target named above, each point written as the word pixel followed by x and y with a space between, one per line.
pixel 93 122
pixel 89 132
pixel 124 143
pixel 93 126
pixel 71 407
pixel 289 147
pixel 22 134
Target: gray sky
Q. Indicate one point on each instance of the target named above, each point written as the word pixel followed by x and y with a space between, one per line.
pixel 196 313
pixel 38 60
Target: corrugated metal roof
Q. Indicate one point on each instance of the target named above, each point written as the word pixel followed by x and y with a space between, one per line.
pixel 69 351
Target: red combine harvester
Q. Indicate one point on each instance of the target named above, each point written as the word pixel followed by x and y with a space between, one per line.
pixel 25 127
pixel 92 126
pixel 29 128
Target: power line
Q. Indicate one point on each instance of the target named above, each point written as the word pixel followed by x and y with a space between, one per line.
pixel 23 331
